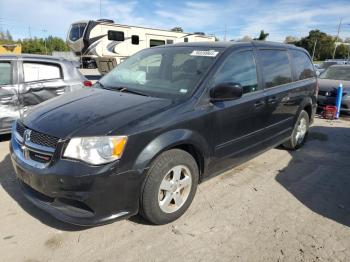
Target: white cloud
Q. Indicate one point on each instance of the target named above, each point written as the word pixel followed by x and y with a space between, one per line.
pixel 279 18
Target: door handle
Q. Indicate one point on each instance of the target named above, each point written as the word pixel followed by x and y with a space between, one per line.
pixel 259 103
pixel 272 100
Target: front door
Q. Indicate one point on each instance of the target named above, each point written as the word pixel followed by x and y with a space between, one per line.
pixel 8 95
pixel 237 122
pixel 41 82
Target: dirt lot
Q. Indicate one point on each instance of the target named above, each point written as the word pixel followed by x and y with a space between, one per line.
pixel 280 206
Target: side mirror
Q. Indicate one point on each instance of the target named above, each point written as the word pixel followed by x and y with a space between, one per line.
pixel 226 91
pixel 318 72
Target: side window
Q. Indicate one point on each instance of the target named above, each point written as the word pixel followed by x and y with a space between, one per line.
pixel 135 40
pixel 302 64
pixel 154 42
pixel 36 71
pixel 276 67
pixel 5 73
pixel 239 68
pixel 115 35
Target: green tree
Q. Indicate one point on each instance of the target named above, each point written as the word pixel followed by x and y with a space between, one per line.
pixel 56 44
pixel 263 36
pixel 6 37
pixel 177 29
pixel 37 45
pixel 324 47
pixel 291 40
pixel 9 36
pixel 33 46
pixel 342 51
pixel 245 38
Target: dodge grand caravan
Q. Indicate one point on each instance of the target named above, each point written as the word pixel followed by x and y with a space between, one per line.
pixel 164 120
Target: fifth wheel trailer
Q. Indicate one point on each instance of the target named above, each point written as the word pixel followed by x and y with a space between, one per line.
pixel 104 44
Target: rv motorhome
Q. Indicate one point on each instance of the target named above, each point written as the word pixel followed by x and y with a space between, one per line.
pixel 104 44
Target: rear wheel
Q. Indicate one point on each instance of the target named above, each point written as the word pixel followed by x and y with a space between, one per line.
pixel 170 186
pixel 300 132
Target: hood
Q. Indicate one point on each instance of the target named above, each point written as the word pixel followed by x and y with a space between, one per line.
pixel 330 84
pixel 91 112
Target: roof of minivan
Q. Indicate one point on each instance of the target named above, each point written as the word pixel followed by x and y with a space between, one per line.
pixel 32 56
pixel 227 44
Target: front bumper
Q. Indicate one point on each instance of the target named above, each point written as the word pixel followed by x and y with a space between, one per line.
pixel 76 192
pixel 329 100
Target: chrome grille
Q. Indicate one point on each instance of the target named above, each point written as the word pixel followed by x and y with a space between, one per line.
pixel 20 129
pixel 38 138
pixel 43 140
pixel 34 147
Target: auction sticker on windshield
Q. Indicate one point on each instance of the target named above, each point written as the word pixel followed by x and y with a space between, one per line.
pixel 210 53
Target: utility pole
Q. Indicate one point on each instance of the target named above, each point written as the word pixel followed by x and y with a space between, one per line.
pixel 313 52
pixel 225 32
pixel 45 31
pixel 29 32
pixel 1 23
pixel 336 39
pixel 100 8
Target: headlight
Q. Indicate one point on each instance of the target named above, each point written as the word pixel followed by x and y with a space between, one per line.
pixel 96 150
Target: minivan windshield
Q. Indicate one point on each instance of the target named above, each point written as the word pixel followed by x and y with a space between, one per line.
pixel 337 73
pixel 162 72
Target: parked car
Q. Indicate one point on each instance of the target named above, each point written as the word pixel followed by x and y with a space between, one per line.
pixel 27 80
pixel 165 119
pixel 329 62
pixel 329 82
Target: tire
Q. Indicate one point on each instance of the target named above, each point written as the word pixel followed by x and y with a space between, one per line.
pixel 298 139
pixel 161 188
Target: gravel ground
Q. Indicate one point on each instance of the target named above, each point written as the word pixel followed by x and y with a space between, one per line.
pixel 280 206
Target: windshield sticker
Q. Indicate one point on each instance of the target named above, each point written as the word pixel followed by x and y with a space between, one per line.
pixel 183 91
pixel 210 53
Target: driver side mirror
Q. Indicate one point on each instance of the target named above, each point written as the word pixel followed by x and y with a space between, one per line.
pixel 226 91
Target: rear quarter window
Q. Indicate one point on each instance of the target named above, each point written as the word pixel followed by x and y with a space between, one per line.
pixel 36 71
pixel 302 65
pixel 276 67
pixel 5 73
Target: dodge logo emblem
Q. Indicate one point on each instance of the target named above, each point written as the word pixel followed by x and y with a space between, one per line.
pixel 26 135
pixel 26 138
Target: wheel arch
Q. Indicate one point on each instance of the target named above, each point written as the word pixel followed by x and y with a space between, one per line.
pixel 190 141
pixel 306 105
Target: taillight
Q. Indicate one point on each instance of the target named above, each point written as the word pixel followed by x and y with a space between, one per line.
pixel 317 87
pixel 87 83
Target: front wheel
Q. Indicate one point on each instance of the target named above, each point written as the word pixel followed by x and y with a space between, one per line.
pixel 170 186
pixel 300 132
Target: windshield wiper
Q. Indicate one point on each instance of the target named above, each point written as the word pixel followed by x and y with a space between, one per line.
pixel 131 91
pixel 100 84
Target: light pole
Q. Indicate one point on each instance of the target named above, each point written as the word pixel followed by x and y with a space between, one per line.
pixel 313 52
pixel 45 31
pixel 336 39
pixel 100 8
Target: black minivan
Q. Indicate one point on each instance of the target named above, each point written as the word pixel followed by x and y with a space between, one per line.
pixel 164 120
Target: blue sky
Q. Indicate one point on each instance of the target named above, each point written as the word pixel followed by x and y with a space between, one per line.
pixel 277 17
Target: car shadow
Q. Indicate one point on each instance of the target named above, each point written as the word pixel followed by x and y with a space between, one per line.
pixel 10 184
pixel 319 174
pixel 6 137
